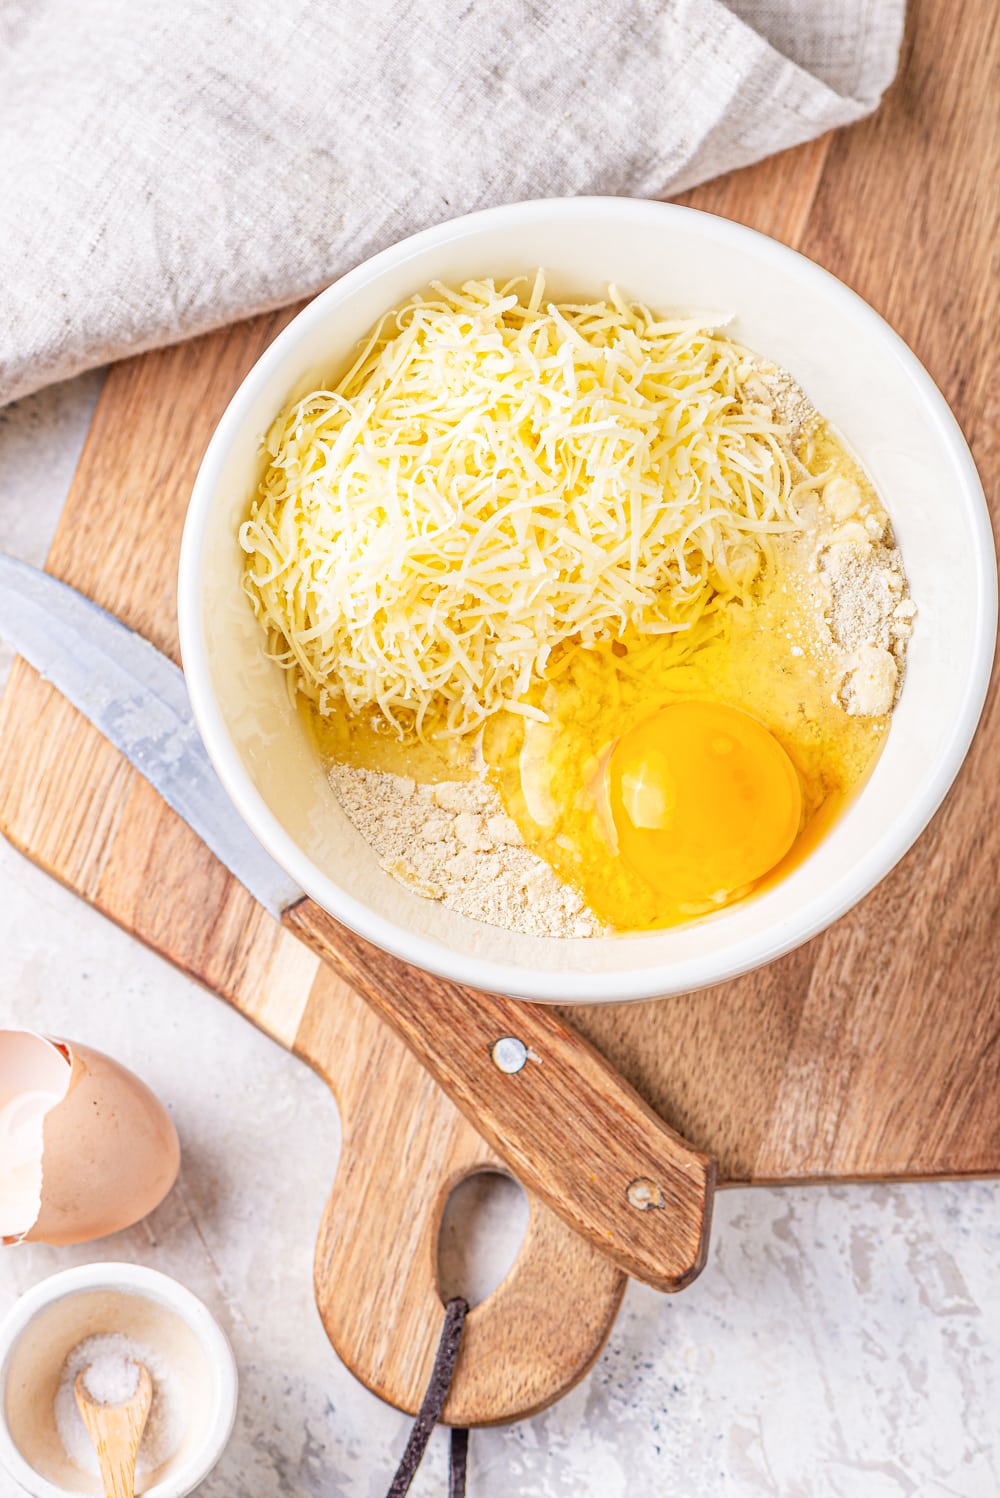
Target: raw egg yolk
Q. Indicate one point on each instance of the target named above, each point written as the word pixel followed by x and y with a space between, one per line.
pixel 704 799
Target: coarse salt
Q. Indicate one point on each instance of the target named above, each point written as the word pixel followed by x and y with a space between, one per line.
pixel 111 1378
pixel 111 1362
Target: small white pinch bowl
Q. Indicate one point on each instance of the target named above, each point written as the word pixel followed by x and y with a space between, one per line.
pixel 856 371
pixel 49 1320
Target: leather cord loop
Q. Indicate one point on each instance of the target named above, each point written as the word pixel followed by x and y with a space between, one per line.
pixel 430 1410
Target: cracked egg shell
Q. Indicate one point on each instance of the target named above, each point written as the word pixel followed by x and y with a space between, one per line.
pixel 85 1148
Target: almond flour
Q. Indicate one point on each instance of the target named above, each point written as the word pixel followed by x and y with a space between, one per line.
pixel 454 842
pixel 847 563
pixel 851 572
pixel 868 610
pixel 771 392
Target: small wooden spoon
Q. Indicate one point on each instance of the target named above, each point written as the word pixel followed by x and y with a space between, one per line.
pixel 116 1430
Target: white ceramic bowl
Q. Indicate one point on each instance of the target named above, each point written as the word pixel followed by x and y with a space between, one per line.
pixel 52 1318
pixel 857 372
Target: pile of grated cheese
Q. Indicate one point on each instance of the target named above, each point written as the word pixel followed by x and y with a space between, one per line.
pixel 496 477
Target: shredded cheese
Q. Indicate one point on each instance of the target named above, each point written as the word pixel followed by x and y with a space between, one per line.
pixel 497 477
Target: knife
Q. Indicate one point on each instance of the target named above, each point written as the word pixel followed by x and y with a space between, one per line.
pixel 570 1128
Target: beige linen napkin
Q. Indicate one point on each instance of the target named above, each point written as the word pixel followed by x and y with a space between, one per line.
pixel 168 168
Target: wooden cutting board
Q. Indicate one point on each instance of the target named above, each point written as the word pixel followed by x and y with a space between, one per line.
pixel 871 1053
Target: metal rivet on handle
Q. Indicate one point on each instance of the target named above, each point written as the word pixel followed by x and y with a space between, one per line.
pixel 644 1194
pixel 509 1054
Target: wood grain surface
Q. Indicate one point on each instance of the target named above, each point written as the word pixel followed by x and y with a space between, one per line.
pixel 404 1149
pixel 622 1178
pixel 873 1052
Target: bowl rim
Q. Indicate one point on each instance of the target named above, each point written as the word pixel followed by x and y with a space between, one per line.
pixel 149 1284
pixel 678 976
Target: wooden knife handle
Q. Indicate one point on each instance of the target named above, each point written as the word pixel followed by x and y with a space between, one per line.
pixel 571 1129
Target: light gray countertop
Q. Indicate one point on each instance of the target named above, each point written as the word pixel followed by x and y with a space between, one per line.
pixel 842 1340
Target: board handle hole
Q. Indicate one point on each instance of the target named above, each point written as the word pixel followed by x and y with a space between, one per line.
pixel 482 1228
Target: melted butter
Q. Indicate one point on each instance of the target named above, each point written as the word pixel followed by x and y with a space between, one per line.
pixel 369 743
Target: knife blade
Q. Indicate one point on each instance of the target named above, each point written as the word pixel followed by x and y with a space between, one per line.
pixel 136 697
pixel 572 1130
